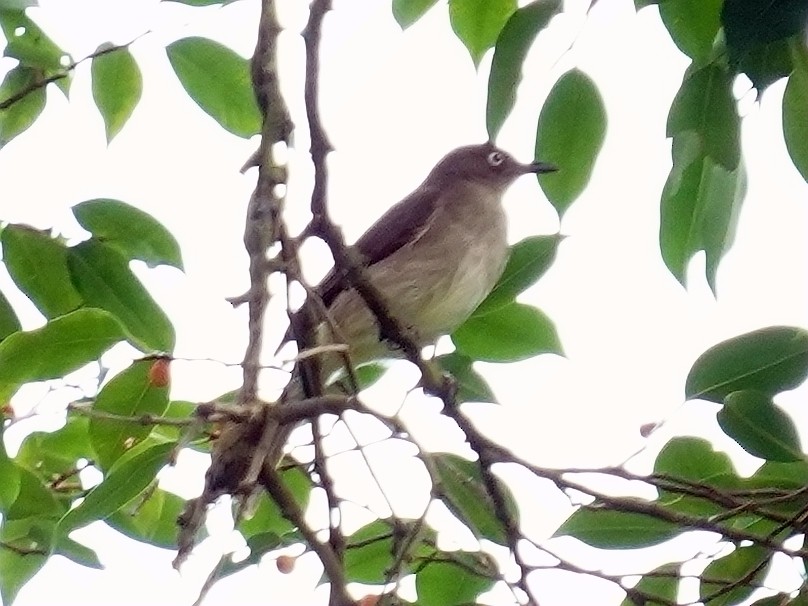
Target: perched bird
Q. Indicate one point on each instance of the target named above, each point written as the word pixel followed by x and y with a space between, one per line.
pixel 433 257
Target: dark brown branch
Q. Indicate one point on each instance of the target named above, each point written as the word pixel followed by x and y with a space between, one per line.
pixel 263 212
pixel 272 483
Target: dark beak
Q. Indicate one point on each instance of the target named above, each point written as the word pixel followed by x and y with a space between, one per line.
pixel 541 167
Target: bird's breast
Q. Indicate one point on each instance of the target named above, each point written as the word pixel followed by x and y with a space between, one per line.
pixel 463 256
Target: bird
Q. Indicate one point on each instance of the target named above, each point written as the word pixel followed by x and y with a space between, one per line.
pixel 433 257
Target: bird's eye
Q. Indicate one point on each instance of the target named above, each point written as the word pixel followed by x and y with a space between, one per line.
pixel 496 158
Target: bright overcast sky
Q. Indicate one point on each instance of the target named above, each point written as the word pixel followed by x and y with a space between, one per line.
pixel 393 104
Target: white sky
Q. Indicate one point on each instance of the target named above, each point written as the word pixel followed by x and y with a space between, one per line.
pixel 393 104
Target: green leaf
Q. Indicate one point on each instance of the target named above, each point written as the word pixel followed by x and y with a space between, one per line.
pixel 369 553
pixel 117 86
pixel 662 583
pixel 512 46
pixel 764 64
pixel 176 409
pixel 692 459
pixel 102 276
pixel 9 477
pixel 686 460
pixel 478 23
pixel 705 105
pixel 732 569
pixel 267 516
pixel 449 584
pixel 700 206
pixel 748 24
pixel 610 529
pixel 511 333
pixel 132 394
pixel 464 493
pixel 20 115
pixel 795 111
pixel 788 477
pixel 30 45
pixel 769 360
pixel 78 553
pixel 129 477
pixel 407 12
pixel 762 429
pixel 471 386
pixel 9 323
pixel 55 453
pixel 152 520
pixel 693 26
pixel 528 261
pixel 570 134
pixel 61 346
pixel 781 475
pixel 34 499
pixel 37 263
pixel 131 231
pixel 218 80
pixel 18 568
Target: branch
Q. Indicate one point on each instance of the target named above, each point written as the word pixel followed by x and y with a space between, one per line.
pixel 290 510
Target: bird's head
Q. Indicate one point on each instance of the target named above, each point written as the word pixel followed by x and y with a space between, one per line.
pixel 485 164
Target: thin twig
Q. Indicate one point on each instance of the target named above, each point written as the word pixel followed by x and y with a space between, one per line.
pixel 62 73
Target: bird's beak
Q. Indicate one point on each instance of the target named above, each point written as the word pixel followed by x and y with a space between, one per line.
pixel 540 168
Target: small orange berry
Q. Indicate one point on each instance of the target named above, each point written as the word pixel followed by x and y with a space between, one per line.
pixel 285 564
pixel 368 600
pixel 159 372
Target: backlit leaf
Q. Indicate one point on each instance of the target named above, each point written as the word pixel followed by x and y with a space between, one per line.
pixel 132 394
pixel 527 262
pixel 570 134
pixel 769 360
pixel 610 529
pixel 512 332
pixel 407 12
pixel 117 86
pixel 762 429
pixel 20 115
pixel 448 584
pixel 701 202
pixel 795 111
pixel 18 568
pixel 732 569
pixel 102 275
pixel 37 263
pixel 512 46
pixel 478 23
pixel 132 474
pixel 218 80
pixel 471 386
pixel 130 230
pixel 9 323
pixel 705 105
pixel 61 346
pixel 463 491
pixel 692 25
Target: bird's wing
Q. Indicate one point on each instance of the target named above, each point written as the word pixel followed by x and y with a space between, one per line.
pixel 402 224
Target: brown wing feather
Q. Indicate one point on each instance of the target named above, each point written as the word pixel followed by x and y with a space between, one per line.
pixel 403 223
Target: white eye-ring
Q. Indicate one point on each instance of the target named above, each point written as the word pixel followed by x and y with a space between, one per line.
pixel 496 158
